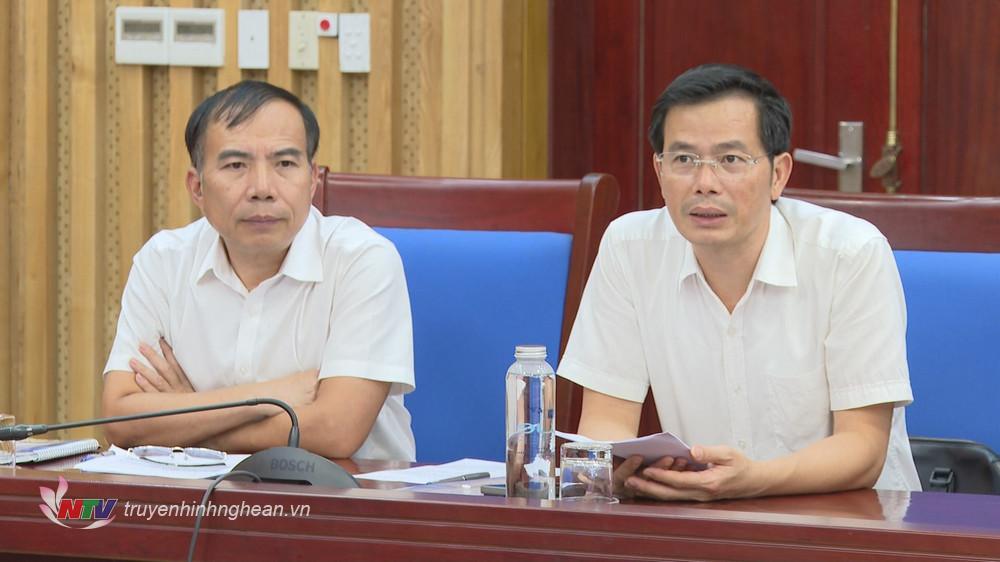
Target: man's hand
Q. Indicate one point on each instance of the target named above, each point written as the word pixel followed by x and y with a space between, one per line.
pixel 623 471
pixel 165 375
pixel 730 475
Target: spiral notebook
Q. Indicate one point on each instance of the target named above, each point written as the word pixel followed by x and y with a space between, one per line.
pixel 38 450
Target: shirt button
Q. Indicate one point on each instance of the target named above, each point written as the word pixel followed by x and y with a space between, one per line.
pixel 743 444
pixel 731 331
pixel 738 389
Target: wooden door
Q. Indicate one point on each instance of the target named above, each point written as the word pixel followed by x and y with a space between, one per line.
pixel 610 59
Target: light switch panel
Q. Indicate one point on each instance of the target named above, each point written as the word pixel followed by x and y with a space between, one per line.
pixel 303 43
pixel 355 39
pixel 253 39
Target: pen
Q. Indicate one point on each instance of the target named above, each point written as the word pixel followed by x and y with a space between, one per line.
pixel 464 477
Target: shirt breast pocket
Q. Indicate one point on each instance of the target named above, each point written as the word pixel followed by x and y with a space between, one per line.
pixel 799 406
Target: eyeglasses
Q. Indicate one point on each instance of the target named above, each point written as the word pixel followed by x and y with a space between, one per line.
pixel 727 167
pixel 179 456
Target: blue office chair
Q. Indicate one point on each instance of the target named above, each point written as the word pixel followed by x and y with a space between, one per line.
pixel 489 264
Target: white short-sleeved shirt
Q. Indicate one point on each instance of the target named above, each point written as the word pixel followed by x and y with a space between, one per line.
pixel 339 303
pixel 821 328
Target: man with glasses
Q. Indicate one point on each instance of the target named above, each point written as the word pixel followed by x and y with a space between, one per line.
pixel 771 331
pixel 263 297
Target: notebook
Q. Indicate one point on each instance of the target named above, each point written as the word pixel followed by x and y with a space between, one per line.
pixel 38 450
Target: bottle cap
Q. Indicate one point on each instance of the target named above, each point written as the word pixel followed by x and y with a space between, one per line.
pixel 530 352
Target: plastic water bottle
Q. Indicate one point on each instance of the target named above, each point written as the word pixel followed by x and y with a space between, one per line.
pixel 531 418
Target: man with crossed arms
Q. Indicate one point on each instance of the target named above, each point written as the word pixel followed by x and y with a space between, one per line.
pixel 263 297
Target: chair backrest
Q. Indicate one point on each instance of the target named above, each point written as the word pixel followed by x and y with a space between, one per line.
pixel 489 264
pixel 948 253
pixel 956 465
pixel 922 223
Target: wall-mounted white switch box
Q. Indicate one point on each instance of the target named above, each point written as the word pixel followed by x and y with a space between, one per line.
pixel 326 24
pixel 303 44
pixel 355 39
pixel 141 35
pixel 197 36
pixel 254 46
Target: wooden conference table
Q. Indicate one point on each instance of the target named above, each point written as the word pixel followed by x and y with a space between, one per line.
pixel 383 522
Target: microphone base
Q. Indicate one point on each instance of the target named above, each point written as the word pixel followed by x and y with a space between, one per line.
pixel 292 465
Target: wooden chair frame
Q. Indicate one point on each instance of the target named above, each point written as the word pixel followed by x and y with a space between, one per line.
pixel 582 208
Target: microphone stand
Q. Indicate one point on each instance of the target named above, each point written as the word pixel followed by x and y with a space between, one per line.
pixel 289 464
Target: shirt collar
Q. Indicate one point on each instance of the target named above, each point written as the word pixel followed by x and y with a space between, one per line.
pixel 776 265
pixel 214 258
pixel 689 264
pixel 303 262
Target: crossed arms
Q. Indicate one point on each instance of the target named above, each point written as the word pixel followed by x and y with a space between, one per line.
pixel 335 414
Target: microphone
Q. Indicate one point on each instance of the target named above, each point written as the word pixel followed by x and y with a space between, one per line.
pixel 289 464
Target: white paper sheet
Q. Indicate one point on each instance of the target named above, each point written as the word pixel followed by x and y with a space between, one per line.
pixel 119 461
pixel 650 447
pixel 436 473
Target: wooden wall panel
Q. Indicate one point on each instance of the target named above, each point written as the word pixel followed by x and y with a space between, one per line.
pixel 185 93
pixel 184 97
pixel 962 136
pixel 596 92
pixel 627 151
pixel 431 83
pixel 87 158
pixel 505 150
pixel 229 73
pixel 32 189
pixel 534 92
pixel 573 87
pixel 332 90
pixel 409 64
pixel 62 198
pixel 96 161
pixel 278 73
pixel 6 273
pixel 384 88
pixel 456 40
pixel 911 96
pixel 483 65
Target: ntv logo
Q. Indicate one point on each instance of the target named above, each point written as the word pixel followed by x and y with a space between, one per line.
pixel 57 507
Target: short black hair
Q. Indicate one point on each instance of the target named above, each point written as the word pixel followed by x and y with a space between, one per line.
pixel 238 103
pixel 710 82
